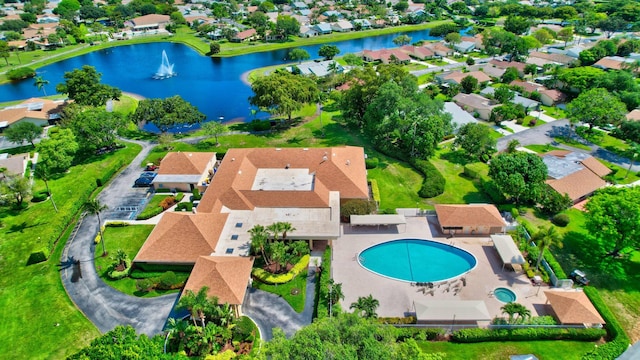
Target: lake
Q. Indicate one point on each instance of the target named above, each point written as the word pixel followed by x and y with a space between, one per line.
pixel 214 85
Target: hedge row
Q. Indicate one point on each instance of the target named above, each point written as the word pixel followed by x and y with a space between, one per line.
pixel 269 278
pixel 184 206
pixel 619 341
pixel 475 335
pixel 433 183
pixel 166 281
pixel 371 163
pixel 397 320
pixel 322 286
pixel 375 190
pixel 419 333
pixel 117 224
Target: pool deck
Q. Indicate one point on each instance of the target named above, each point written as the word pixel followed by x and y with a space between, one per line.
pixel 397 297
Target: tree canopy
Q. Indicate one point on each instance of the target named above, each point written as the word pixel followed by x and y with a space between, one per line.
pixel 519 175
pixel 84 87
pixel 476 141
pixel 328 51
pixel 93 127
pixel 167 113
pixel 613 215
pixel 23 131
pixel 55 154
pixel 596 107
pixel 282 93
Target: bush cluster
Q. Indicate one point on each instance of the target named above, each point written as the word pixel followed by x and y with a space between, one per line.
pixel 492 190
pixel 371 163
pixel 196 194
pixel 397 320
pixel 619 341
pixel 21 73
pixel 113 274
pixel 166 281
pixel 356 207
pixel 38 256
pixel 184 206
pixel 526 334
pixel 421 334
pixel 40 196
pixel 258 125
pixel 375 190
pixel 561 220
pixel 117 224
pixel 167 202
pixel 322 286
pixel 433 183
pixel 269 278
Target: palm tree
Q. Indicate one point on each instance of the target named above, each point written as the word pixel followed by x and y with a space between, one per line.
pixel 94 207
pixel 197 304
pixel 366 306
pixel 299 248
pixel 121 257
pixel 510 309
pixel 632 151
pixel 275 230
pixel 259 237
pixel 179 328
pixel 225 315
pixel 523 312
pixel 40 83
pixel 279 254
pixel 545 238
pixel 286 227
pixel 335 292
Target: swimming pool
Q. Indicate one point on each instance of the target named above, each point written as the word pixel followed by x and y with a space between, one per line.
pixel 417 260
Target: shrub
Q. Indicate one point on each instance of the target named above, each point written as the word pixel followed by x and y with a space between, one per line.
pixel 555 265
pixel 20 73
pixel 184 206
pixel 433 183
pixel 492 190
pixel 117 275
pixel 375 190
pixel 561 220
pixel 474 170
pixel 40 196
pixel 167 202
pixel 38 256
pixel 526 334
pixel 97 239
pixel 257 125
pixel 145 285
pixel 356 207
pixel 322 287
pixel 371 163
pixel 244 330
pixel 168 281
pixel 179 197
pixel 116 224
pixel 149 213
pixel 397 320
pixel 269 278
pixel 196 194
pixel 139 274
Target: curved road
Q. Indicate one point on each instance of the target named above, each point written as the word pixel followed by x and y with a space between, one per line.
pixel 103 305
pixel 545 133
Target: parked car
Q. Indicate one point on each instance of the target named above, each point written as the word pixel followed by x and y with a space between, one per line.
pixel 143 181
pixel 148 174
pixel 579 277
pixel 151 167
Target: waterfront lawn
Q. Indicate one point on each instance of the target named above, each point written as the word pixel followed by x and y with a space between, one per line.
pixel 39 320
pixel 556 349
pixel 298 283
pixel 126 105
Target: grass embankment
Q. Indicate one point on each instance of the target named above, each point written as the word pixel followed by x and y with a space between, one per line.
pixel 129 239
pixel 294 292
pixel 566 350
pixel 39 320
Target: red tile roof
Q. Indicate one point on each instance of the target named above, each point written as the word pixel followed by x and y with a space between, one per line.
pixel 226 277
pixel 469 215
pixel 186 163
pixel 573 307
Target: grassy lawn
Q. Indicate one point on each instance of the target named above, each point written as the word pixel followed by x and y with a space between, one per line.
pixel 437 62
pixel 542 148
pixel 30 294
pixel 130 240
pixel 527 121
pixel 398 183
pixel 619 174
pixel 604 140
pixel 415 66
pixel 565 350
pixel 459 189
pixel 554 112
pixel 571 142
pixel 286 291
pixel 154 202
pixel 126 105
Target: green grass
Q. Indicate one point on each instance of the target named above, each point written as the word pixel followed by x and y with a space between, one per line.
pixel 154 202
pixel 126 105
pixel 554 112
pixel 284 290
pixel 129 239
pixel 414 66
pixel 603 140
pixel 527 121
pixel 619 174
pixel 398 183
pixel 566 350
pixel 459 189
pixel 542 148
pixel 571 142
pixel 33 299
pixel 437 62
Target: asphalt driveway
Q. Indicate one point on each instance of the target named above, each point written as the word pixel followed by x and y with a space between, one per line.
pixel 103 305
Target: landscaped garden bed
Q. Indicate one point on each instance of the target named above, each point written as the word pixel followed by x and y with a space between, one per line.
pixel 158 204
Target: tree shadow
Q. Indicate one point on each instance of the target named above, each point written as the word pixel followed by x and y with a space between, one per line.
pixel 457 157
pixel 21 227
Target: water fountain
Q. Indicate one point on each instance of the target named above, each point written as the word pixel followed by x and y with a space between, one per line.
pixel 165 70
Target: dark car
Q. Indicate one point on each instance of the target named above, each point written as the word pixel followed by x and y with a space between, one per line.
pixel 579 277
pixel 148 174
pixel 143 181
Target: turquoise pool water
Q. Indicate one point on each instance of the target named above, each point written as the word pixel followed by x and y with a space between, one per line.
pixel 504 295
pixel 417 260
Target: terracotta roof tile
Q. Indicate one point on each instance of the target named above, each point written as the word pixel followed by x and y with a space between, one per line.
pixel 596 166
pixel 573 307
pixel 225 276
pixel 469 215
pixel 185 163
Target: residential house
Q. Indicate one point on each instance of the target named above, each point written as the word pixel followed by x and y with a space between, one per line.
pixel 475 104
pixel 573 173
pixel 455 77
pixel 302 186
pixel 362 24
pixel 472 219
pixel 246 35
pixel 528 104
pixel 48 19
pixel 611 63
pixel 550 58
pixel 418 52
pixel 508 64
pixel 330 13
pixel 634 115
pixel 459 117
pixel 299 5
pixel 476 39
pixel 307 32
pixel 149 22
pixel 319 69
pixel 185 171
pixel 274 36
pixel 465 46
pixel 13 164
pixel 41 112
pixel 322 28
pixel 342 26
pixel 528 86
pixel 550 97
pixel 492 71
pixel 439 49
pixel 386 56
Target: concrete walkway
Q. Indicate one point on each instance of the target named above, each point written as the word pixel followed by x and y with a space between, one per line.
pixel 271 311
pixel 103 305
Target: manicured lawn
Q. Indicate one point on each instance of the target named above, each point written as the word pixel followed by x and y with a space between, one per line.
pixel 126 105
pixel 572 142
pixel 130 240
pixel 398 183
pixel 286 290
pixel 542 148
pixel 565 350
pixel 459 189
pixel 154 202
pixel 554 112
pixel 603 140
pixel 33 299
pixel 437 62
pixel 414 66
pixel 620 174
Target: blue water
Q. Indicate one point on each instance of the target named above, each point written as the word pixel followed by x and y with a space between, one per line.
pixel 214 85
pixel 504 295
pixel 417 260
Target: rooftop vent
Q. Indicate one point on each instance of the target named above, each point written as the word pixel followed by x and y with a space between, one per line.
pixel 287 166
pixel 348 162
pixel 229 251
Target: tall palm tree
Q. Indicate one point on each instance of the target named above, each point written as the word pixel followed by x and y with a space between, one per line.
pixel 523 312
pixel 40 83
pixel 177 328
pixel 335 292
pixel 275 230
pixel 366 306
pixel 286 227
pixel 510 309
pixel 545 238
pixel 259 237
pixel 197 304
pixel 279 254
pixel 94 207
pixel 225 315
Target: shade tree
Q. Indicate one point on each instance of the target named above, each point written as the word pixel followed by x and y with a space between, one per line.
pixel 596 107
pixel 476 141
pixel 298 54
pixel 84 87
pixel 328 52
pixel 23 131
pixel 93 127
pixel 215 129
pixel 167 113
pixel 16 188
pixel 520 176
pixel 282 93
